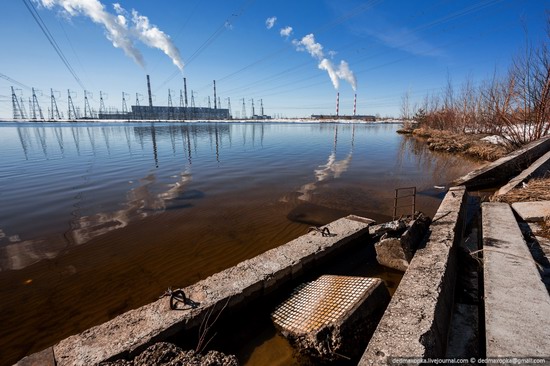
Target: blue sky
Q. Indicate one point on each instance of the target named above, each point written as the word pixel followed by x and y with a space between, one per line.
pixel 390 47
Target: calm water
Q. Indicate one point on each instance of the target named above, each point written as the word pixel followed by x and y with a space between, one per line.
pixel 97 219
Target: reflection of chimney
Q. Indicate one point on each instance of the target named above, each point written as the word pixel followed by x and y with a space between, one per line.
pixel 215 105
pixel 355 104
pixel 337 102
pixel 185 90
pixel 149 92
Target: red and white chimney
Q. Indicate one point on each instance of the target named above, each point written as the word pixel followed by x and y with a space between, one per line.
pixel 355 105
pixel 337 103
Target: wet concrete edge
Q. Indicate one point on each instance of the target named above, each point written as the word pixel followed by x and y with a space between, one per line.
pixel 131 332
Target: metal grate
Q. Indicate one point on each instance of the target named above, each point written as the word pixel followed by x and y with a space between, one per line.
pixel 320 303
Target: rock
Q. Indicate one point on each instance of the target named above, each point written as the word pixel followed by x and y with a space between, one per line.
pixel 392 226
pixel 167 354
pixel 397 252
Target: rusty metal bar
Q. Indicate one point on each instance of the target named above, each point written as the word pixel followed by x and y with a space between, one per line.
pixel 397 197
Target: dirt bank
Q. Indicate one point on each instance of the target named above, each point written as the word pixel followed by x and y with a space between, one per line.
pixel 470 145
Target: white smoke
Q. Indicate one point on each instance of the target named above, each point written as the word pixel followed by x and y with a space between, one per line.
pixel 315 49
pixel 346 74
pixel 326 65
pixel 154 37
pixel 286 32
pixel 307 43
pixel 270 22
pixel 118 29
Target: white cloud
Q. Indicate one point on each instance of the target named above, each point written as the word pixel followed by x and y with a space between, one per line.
pixel 270 22
pixel 286 31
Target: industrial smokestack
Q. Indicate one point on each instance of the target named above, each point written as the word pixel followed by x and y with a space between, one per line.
pixel 355 105
pixel 149 92
pixel 337 102
pixel 185 90
pixel 215 105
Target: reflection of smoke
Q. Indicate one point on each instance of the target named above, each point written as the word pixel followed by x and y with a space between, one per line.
pixel 141 203
pixel 118 28
pixel 333 169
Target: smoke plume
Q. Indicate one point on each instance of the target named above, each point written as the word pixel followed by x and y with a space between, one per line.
pixel 346 74
pixel 307 43
pixel 121 29
pixel 315 49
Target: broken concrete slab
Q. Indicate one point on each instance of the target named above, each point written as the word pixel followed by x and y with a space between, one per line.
pixel 397 252
pixel 130 333
pixel 390 253
pixel 536 211
pixel 501 170
pixel 540 168
pixel 332 316
pixel 392 226
pixel 42 358
pixel 516 307
pixel 416 321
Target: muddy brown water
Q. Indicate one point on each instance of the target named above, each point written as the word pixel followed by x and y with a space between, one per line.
pixel 97 219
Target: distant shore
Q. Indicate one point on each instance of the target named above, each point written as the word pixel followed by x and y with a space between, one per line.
pixel 278 120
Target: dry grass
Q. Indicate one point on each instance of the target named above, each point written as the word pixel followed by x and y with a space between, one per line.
pixel 534 190
pixel 465 144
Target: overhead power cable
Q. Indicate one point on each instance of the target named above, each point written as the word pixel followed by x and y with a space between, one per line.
pixel 14 81
pixel 217 33
pixel 30 6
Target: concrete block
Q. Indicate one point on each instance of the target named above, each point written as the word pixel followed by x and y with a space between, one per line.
pixel 416 321
pixel 42 358
pixel 532 211
pixel 390 253
pixel 397 252
pixel 517 304
pixel 501 170
pixel 332 315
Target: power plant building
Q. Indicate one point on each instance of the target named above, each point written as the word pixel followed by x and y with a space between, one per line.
pixel 169 113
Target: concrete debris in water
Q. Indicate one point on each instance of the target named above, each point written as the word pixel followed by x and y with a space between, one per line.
pixel 167 354
pixel 400 241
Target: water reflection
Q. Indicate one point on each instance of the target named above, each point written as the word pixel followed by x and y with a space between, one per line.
pixel 333 169
pixel 66 184
pixel 151 196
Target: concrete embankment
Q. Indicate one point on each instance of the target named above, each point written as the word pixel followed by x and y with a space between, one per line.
pixel 517 306
pixel 416 321
pixel 500 171
pixel 131 332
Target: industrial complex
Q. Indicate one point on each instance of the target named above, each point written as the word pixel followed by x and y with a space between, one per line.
pixel 185 111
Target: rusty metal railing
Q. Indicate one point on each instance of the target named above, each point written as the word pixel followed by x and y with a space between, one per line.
pixel 398 197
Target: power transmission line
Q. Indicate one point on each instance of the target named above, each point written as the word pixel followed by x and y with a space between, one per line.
pixel 36 16
pixel 14 81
